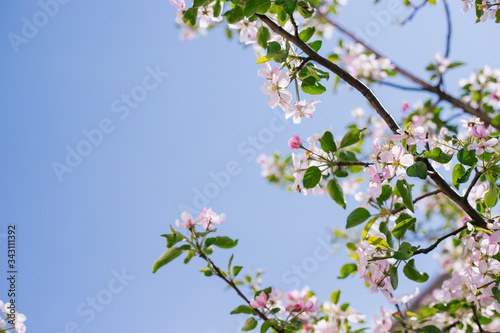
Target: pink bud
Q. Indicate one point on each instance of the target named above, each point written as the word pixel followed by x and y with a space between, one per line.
pixel 294 142
pixel 494 96
pixel 405 106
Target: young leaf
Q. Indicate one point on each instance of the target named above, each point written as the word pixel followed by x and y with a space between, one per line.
pixel 438 155
pixel 378 242
pixel 346 270
pixel 357 216
pixel 250 324
pixel 328 143
pixel 404 252
pixel 335 191
pixel 393 276
pixel 405 192
pixel 413 274
pixel 263 36
pixel 307 33
pixel 166 257
pixel 401 228
pixel 335 296
pixel 223 242
pixel 312 177
pixel 418 169
pixel 243 309
pixel 351 137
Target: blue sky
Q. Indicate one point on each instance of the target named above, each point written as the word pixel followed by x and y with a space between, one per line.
pixel 91 233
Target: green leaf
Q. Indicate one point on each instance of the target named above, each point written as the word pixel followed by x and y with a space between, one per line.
pixel 347 269
pixel 311 86
pixel 405 192
pixel 316 45
pixel 243 309
pixel 384 229
pixel 253 6
pixel 287 5
pixel 200 3
pixel 467 157
pixel 460 175
pixel 307 33
pixel 335 191
pixel 190 16
pixel 167 257
pixel 217 9
pixel 173 239
pixel 223 242
pixel 266 326
pixel 250 324
pixel 438 155
pixel 236 270
pixel 357 216
pixel 328 143
pixel 368 226
pixel 413 274
pixel 491 197
pixel 404 252
pixel 263 36
pixel 429 329
pixel 273 48
pixel 234 15
pixel 393 276
pixel 351 137
pixel 335 296
pixel 385 195
pixel 378 242
pixel 401 228
pixel 418 169
pixel 312 177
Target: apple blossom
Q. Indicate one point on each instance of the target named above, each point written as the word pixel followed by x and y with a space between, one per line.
pixel 396 161
pixel 294 142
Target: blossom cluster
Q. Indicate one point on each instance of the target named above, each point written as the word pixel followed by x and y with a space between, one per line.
pixel 482 89
pixel 13 320
pixel 486 9
pixel 363 64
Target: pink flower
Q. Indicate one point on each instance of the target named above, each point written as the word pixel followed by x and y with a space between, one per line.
pixel 208 216
pixel 300 109
pixel 261 300
pixel 412 135
pixel 479 131
pixel 384 324
pixel 396 161
pixel 294 142
pixel 483 146
pixel 374 188
pixel 275 87
pixel 188 221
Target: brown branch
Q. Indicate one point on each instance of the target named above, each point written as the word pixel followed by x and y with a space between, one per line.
pixel 425 195
pixel 382 112
pixel 219 273
pixel 448 21
pixel 415 10
pixel 425 86
pixel 349 163
pixel 472 183
pixel 439 240
pixel 476 319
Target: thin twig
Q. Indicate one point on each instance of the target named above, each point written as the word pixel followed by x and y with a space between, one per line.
pixel 398 86
pixel 481 114
pixel 472 183
pixel 425 195
pixel 439 240
pixel 476 319
pixel 219 273
pixel 415 10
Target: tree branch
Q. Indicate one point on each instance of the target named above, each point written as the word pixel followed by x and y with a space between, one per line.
pixel 382 112
pixel 439 240
pixel 425 195
pixel 472 183
pixel 425 86
pixel 219 273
